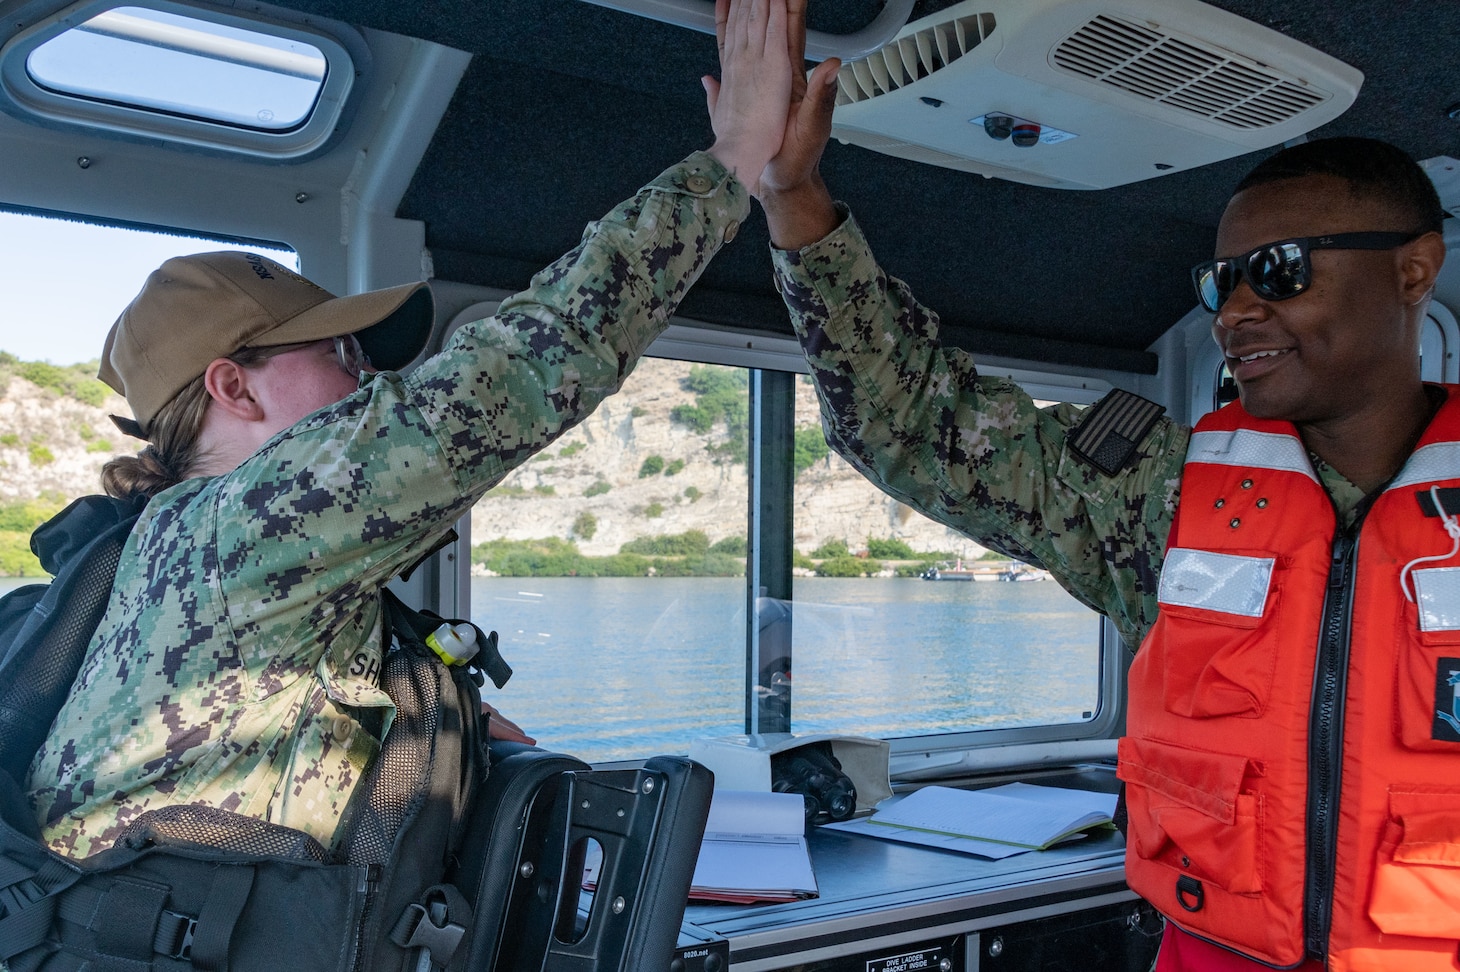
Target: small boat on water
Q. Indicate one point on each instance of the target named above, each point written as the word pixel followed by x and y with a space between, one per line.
pixel 1022 573
pixel 1009 570
pixel 1006 571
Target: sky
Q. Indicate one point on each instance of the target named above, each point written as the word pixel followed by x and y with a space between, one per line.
pixel 62 284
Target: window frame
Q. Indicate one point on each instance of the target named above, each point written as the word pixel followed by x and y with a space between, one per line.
pixel 346 56
pixel 774 361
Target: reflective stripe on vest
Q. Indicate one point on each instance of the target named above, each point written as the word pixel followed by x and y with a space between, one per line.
pixel 1217 759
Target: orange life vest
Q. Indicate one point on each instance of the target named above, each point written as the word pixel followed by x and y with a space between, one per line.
pixel 1293 751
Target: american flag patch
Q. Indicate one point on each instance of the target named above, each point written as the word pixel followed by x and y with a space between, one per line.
pixel 1110 430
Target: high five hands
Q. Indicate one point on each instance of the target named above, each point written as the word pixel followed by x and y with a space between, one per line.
pixel 771 122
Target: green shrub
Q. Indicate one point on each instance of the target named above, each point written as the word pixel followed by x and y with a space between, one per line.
pixel 691 493
pixel 709 565
pixel 721 393
pixel 90 392
pixel 732 546
pixel 542 489
pixel 638 411
pixel 831 548
pixel 548 557
pixel 43 374
pixel 690 543
pixel 652 466
pixel 674 467
pixel 100 445
pixel 585 526
pixel 76 381
pixel 552 557
pixel 598 488
pixel 16 560
pixel 615 565
pixel 888 548
pixel 40 455
pixel 654 510
pixel 26 516
pixel 810 448
pixel 693 417
pixel 716 380
pixel 17 521
pixel 570 450
pixel 799 559
pixel 846 567
pixel 9 439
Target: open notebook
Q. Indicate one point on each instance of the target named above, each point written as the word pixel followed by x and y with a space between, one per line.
pixel 754 849
pixel 997 822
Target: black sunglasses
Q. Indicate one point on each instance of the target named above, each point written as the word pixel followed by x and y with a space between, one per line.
pixel 1277 271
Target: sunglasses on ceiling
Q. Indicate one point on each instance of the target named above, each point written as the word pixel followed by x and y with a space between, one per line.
pixel 1277 271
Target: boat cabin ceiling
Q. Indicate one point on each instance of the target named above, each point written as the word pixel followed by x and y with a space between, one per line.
pixel 566 106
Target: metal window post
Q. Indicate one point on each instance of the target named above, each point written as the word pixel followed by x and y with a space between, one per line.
pixel 771 430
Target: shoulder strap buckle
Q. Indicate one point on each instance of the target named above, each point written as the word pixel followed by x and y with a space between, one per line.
pixel 437 924
pixel 174 936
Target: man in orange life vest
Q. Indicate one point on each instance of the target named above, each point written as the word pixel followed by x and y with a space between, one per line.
pixel 1293 778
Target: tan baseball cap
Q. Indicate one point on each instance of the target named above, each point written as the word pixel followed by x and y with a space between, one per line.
pixel 195 309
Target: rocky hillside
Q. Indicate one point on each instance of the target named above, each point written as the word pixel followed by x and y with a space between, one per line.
pixel 659 458
pixel 599 469
pixel 54 436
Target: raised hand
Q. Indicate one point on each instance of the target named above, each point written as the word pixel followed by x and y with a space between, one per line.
pixel 749 105
pixel 797 206
pixel 808 114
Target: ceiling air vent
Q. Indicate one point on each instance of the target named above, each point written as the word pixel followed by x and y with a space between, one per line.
pixel 912 57
pixel 1194 77
pixel 1086 94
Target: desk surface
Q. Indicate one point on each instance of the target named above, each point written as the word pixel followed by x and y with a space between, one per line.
pixel 877 893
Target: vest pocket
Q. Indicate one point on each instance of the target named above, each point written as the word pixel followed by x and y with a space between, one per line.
pixel 1427 680
pixel 1208 669
pixel 1417 876
pixel 1192 817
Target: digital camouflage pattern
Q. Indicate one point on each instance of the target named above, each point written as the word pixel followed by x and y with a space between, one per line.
pixel 237 664
pixel 974 452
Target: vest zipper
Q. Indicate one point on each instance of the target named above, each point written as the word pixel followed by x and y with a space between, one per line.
pixel 370 884
pixel 1325 744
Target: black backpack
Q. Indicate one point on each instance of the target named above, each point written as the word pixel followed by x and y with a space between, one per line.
pixel 189 885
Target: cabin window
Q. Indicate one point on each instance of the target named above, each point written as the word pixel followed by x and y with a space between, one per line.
pixel 612 565
pixel 1439 350
pixel 158 61
pixel 904 627
pixel 185 74
pixel 618 567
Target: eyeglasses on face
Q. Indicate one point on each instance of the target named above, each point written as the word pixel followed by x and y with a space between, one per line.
pixel 1277 271
pixel 351 356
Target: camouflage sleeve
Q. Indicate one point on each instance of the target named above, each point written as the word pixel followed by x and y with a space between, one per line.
pixel 242 645
pixel 556 350
pixel 371 481
pixel 970 451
